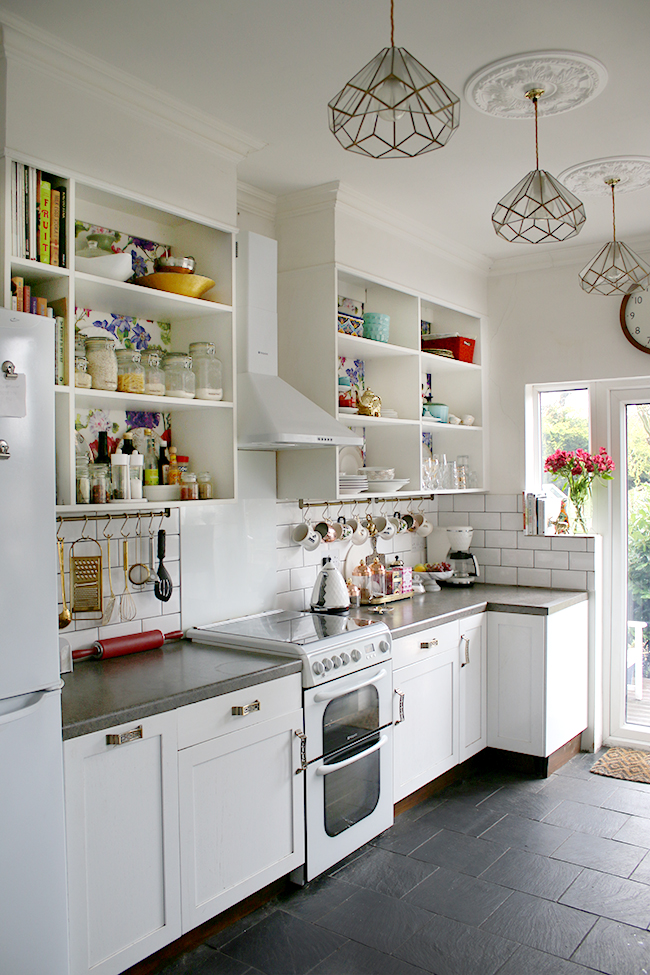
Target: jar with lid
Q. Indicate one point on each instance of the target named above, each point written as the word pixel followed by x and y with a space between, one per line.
pixel 102 362
pixel 120 477
pixel 130 371
pixel 205 486
pixel 180 381
pixel 377 579
pixel 189 487
pixel 154 374
pixel 82 479
pixel 136 471
pixel 81 377
pixel 207 369
pixel 361 579
pixel 98 483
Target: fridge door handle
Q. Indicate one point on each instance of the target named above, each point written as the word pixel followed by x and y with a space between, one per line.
pixel 326 769
pixel 24 711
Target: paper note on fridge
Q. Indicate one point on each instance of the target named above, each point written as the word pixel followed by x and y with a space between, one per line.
pixel 13 395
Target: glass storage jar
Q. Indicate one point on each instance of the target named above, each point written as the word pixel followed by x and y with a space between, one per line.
pixel 99 480
pixel 154 374
pixel 81 378
pixel 189 487
pixel 102 362
pixel 130 371
pixel 82 479
pixel 205 486
pixel 180 381
pixel 207 369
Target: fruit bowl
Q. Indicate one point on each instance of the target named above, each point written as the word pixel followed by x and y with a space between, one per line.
pixel 189 285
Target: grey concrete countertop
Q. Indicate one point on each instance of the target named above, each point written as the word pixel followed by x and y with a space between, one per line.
pixel 452 603
pixel 102 693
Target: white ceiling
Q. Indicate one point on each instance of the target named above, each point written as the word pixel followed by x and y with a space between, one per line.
pixel 269 67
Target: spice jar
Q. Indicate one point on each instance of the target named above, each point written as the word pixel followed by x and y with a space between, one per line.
pixel 207 369
pixel 154 375
pixel 102 362
pixel 136 470
pixel 81 378
pixel 180 381
pixel 189 487
pixel 130 371
pixel 361 579
pixel 205 486
pixel 82 479
pixel 120 477
pixel 98 483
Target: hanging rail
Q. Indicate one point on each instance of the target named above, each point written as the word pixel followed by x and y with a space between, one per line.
pixel 366 499
pixel 117 515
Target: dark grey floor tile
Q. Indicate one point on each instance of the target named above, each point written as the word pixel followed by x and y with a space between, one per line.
pixel 316 898
pixel 387 873
pixel 526 834
pixel 629 786
pixel 404 837
pixel 447 947
pixel 579 767
pixel 612 897
pixel 243 924
pixel 636 831
pixel 586 819
pixel 630 802
pixel 462 816
pixel 458 851
pixel 283 945
pixel 375 920
pixel 532 874
pixel 609 856
pixel 529 805
pixel 642 872
pixel 362 960
pixel 540 924
pixel 458 896
pixel 530 961
pixel 594 790
pixel 614 948
pixel 205 961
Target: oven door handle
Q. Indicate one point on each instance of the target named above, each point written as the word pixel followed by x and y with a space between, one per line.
pixel 326 769
pixel 331 695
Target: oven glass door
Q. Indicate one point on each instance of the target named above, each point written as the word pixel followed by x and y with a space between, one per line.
pixel 344 711
pixel 351 784
pixel 350 718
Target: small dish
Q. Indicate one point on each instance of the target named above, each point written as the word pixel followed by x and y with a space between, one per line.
pixel 386 487
pixel 179 265
pixel 162 492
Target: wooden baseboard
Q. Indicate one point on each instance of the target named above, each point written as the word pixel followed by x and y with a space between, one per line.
pixel 498 758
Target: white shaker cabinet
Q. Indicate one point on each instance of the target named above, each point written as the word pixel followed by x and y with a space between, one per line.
pixel 122 839
pixel 472 680
pixel 241 801
pixel 537 679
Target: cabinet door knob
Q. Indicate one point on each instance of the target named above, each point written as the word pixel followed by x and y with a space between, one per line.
pixel 428 644
pixel 125 737
pixel 246 708
pixel 465 649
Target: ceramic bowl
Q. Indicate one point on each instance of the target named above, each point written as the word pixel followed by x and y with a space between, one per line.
pixel 377 473
pixel 178 265
pixel 162 492
pixel 117 267
pixel 189 285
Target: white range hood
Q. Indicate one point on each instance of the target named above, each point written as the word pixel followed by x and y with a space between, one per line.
pixel 271 414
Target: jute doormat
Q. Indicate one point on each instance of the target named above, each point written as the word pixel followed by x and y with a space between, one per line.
pixel 624 763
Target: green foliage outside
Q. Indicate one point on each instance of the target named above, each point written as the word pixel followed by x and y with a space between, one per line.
pixel 638 524
pixel 565 424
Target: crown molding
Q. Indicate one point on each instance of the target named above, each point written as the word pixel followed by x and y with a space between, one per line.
pixel 27 44
pixel 343 197
pixel 257 202
pixel 565 256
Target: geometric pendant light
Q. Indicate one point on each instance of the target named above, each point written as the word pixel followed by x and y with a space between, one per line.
pixel 539 209
pixel 394 108
pixel 615 269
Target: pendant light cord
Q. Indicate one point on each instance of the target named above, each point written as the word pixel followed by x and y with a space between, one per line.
pixel 536 138
pixel 392 23
pixel 613 216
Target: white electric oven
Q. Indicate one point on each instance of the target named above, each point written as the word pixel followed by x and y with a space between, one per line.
pixel 348 700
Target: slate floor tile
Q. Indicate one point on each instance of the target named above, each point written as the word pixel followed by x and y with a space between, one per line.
pixel 283 945
pixel 529 805
pixel 375 920
pixel 540 924
pixel 615 948
pixel 532 874
pixel 627 801
pixel 243 924
pixel 205 961
pixel 316 898
pixel 530 961
pixel 526 834
pixel 608 856
pixel 642 872
pixel 447 947
pixel 594 790
pixel 636 831
pixel 458 851
pixel 586 819
pixel 404 837
pixel 462 816
pixel 362 960
pixel 612 897
pixel 386 872
pixel 458 896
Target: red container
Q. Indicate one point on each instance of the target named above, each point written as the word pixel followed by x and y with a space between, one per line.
pixel 460 347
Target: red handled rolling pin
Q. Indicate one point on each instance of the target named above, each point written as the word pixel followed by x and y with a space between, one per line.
pixel 119 646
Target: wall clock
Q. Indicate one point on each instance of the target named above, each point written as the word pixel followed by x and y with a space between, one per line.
pixel 635 319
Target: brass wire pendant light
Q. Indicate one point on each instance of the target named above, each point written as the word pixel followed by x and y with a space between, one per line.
pixel 394 108
pixel 615 269
pixel 539 208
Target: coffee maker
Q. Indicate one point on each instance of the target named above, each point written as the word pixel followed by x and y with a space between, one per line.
pixel 463 562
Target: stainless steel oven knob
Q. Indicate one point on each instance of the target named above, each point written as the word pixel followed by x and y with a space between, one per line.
pixel 356 655
pixel 336 660
pixel 384 646
pixel 317 667
pixel 345 658
pixel 327 663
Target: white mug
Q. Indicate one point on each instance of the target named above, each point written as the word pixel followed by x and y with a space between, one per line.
pixel 344 530
pixel 424 528
pixel 400 524
pixel 359 532
pixel 388 530
pixel 307 536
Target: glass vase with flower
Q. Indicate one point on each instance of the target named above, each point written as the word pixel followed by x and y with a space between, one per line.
pixel 578 469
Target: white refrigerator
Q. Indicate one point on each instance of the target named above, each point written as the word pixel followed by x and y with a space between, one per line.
pixel 33 908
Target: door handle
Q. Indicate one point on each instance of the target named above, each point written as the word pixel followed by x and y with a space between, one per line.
pixel 400 706
pixel 22 712
pixel 330 695
pixel 327 769
pixel 465 647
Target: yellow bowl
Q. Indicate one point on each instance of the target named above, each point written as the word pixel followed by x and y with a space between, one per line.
pixel 190 285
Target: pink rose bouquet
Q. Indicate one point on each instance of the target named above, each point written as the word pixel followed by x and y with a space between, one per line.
pixel 578 470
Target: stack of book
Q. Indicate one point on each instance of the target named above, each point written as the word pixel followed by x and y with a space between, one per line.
pixel 38 216
pixel 534 514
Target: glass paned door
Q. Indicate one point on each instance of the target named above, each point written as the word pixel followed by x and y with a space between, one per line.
pixel 637 533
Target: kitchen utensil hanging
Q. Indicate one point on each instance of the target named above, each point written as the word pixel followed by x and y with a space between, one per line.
pixel 109 604
pixel 163 587
pixel 86 578
pixel 65 617
pixel 139 573
pixel 128 609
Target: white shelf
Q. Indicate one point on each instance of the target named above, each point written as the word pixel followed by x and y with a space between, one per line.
pixel 433 363
pixel 35 271
pixel 142 402
pixel 357 420
pixel 360 348
pixel 141 302
pixel 450 426
pixel 143 506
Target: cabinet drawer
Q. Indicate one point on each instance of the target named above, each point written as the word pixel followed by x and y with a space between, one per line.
pixel 214 717
pixel 425 643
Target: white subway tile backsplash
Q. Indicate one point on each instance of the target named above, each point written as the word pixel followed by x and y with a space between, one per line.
pixel 303 578
pixel 291 600
pixel 512 521
pixel 283 536
pixel 486 519
pixel 537 542
pixel 501 502
pixel 591 581
pixel 446 519
pixel 551 560
pixel 478 538
pixel 591 544
pixel 568 543
pixel 290 558
pixel 283 580
pixel 500 539
pixel 501 575
pixel 568 579
pixel 581 560
pixel 445 502
pixel 517 556
pixel 534 577
pixel 469 502
pixel 487 556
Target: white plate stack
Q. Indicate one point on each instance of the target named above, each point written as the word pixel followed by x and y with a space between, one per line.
pixel 352 483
